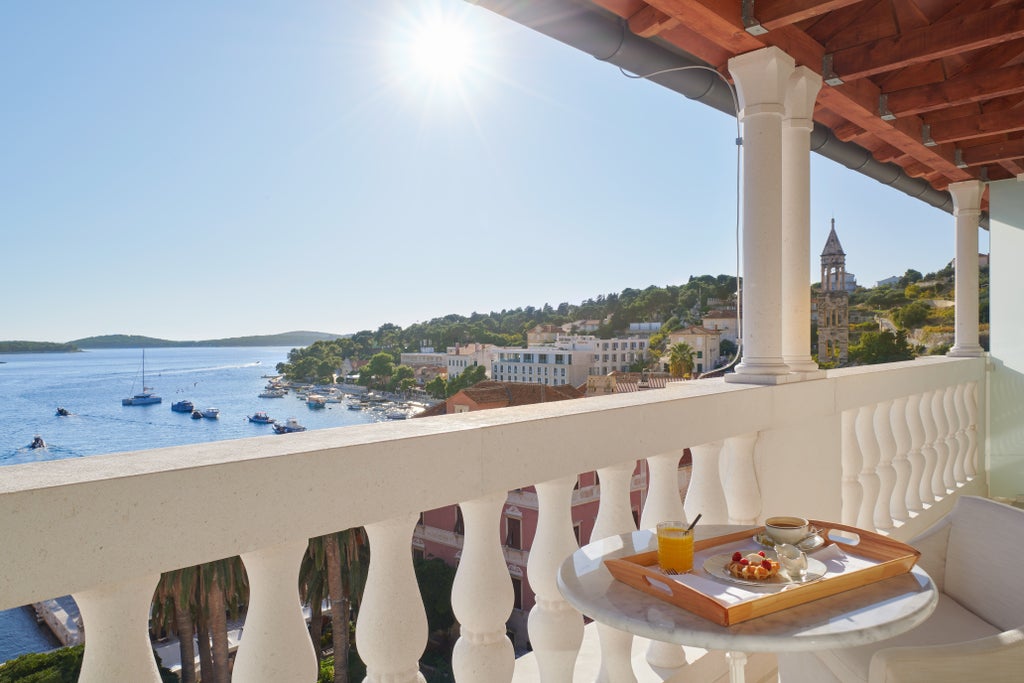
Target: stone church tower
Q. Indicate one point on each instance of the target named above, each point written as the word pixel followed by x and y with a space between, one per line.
pixel 833 303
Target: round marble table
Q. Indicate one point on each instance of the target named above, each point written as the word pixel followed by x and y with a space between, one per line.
pixel 861 616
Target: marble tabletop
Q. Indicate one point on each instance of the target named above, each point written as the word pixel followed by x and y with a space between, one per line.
pixel 856 617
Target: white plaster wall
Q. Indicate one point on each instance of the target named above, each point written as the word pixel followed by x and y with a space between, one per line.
pixel 1006 313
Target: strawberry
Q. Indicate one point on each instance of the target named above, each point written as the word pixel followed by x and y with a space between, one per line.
pixel 744 561
pixel 767 564
pixel 737 556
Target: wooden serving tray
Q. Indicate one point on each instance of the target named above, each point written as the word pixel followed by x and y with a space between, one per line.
pixel 878 558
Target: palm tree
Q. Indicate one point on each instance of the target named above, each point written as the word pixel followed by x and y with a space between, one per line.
pixel 340 557
pixel 223 587
pixel 680 360
pixel 173 607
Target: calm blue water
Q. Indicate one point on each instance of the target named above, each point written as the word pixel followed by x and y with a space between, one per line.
pixel 91 385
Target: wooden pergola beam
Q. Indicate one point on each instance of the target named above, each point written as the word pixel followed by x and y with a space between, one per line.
pixel 980 125
pixel 941 39
pixel 773 14
pixel 993 153
pixel 971 87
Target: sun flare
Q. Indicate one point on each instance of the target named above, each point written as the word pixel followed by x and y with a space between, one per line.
pixel 441 50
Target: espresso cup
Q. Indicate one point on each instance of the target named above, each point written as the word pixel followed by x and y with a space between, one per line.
pixel 787 529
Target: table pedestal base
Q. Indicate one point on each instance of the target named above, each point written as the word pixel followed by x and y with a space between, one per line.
pixel 737 663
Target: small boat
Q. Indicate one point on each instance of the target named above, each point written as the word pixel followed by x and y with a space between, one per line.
pixel 196 415
pixel 183 406
pixel 147 397
pixel 63 412
pixel 355 406
pixel 316 401
pixel 37 442
pixel 396 414
pixel 274 393
pixel 290 425
pixel 260 417
pixel 211 413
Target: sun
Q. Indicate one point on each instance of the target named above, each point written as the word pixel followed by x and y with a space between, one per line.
pixel 441 50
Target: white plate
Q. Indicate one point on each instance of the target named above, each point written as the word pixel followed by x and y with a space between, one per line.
pixel 716 567
pixel 808 545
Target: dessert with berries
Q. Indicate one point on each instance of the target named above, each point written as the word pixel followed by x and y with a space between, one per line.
pixel 754 566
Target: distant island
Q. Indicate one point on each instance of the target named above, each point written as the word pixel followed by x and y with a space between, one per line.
pixel 132 341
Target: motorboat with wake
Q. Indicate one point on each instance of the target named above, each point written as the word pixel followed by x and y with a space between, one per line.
pixel 37 442
pixel 63 412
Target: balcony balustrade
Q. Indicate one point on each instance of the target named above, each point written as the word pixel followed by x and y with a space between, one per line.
pixel 884 447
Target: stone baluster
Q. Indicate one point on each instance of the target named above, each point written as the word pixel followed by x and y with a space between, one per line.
pixel 705 495
pixel 391 633
pixel 663 503
pixel 971 404
pixel 868 477
pixel 914 456
pixel 739 479
pixel 276 645
pixel 482 596
pixel 886 471
pixel 900 463
pixel 940 445
pixel 958 437
pixel 614 517
pixel 928 448
pixel 853 494
pixel 952 444
pixel 556 629
pixel 116 617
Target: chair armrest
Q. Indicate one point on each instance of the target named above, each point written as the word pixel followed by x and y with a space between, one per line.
pixel 996 658
pixel 933 544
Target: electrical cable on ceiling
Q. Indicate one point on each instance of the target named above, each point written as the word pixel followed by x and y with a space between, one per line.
pixel 739 144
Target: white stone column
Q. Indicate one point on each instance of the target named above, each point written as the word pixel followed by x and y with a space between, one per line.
pixel 116 622
pixel 967 213
pixel 797 124
pixel 761 79
pixel 275 642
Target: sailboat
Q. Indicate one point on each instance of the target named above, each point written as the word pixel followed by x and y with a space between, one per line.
pixel 146 397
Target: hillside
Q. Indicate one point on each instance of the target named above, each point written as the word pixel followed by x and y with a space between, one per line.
pixel 120 341
pixel 36 347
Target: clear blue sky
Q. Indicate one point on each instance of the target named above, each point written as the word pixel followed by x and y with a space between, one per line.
pixel 193 170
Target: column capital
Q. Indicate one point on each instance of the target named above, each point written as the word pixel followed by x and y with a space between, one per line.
pixel 761 77
pixel 966 196
pixel 801 92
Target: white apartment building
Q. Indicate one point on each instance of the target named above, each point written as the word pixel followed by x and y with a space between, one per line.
pixel 459 357
pixel 723 322
pixel 569 360
pixel 426 357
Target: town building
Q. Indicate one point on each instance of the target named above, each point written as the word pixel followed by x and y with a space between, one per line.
pixel 706 345
pixel 724 321
pixel 460 357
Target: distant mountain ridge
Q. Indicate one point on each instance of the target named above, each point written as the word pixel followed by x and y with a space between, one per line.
pixel 134 341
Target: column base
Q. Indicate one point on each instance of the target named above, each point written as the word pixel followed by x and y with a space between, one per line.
pixel 747 378
pixel 974 351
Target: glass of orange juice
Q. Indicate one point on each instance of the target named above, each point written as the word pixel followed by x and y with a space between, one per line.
pixel 675 547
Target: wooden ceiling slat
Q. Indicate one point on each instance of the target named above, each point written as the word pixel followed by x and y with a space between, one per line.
pixel 773 14
pixel 968 127
pixel 829 27
pixel 973 87
pixel 993 153
pixel 962 34
pixel 723 21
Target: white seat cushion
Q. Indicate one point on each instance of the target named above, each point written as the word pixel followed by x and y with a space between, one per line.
pixel 950 623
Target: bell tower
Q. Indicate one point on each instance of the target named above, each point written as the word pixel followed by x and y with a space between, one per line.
pixel 833 303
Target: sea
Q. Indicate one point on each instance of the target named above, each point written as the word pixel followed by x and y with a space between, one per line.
pixel 90 385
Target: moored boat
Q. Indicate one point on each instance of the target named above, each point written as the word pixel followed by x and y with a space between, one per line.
pixel 183 406
pixel 316 401
pixel 290 425
pixel 37 442
pixel 260 417
pixel 147 397
pixel 211 413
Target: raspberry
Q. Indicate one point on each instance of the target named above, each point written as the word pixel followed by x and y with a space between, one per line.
pixel 736 556
pixel 767 564
pixel 761 553
pixel 744 561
